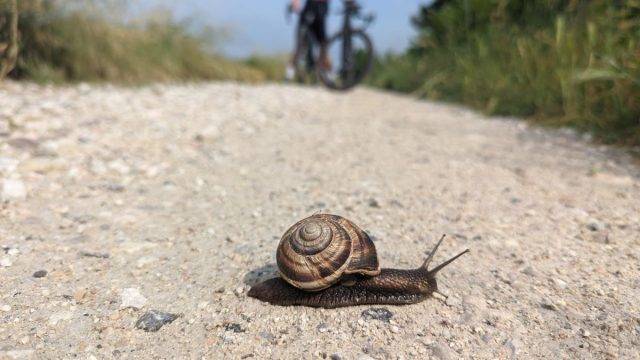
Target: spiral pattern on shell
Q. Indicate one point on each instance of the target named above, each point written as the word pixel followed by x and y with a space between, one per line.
pixel 317 251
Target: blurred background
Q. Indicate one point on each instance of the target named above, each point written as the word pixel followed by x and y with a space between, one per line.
pixel 556 62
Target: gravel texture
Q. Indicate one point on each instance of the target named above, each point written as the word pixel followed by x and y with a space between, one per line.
pixel 178 194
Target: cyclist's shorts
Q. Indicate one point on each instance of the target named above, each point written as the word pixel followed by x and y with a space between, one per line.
pixel 314 15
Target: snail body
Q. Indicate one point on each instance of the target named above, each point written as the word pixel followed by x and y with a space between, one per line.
pixel 316 272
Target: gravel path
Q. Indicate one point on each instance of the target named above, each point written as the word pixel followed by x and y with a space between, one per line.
pixel 119 201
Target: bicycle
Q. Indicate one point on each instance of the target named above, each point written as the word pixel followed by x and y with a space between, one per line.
pixel 351 46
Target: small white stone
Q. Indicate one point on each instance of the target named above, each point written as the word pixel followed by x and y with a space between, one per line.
pixel 323 328
pixel 145 260
pixel 5 262
pixel 120 166
pixel 13 189
pixel 5 308
pixel 13 251
pixel 239 290
pixel 560 283
pixel 60 316
pixel 8 165
pixel 98 166
pixel 394 329
pixel 132 298
pixel 203 305
pixel 210 132
pixel 17 354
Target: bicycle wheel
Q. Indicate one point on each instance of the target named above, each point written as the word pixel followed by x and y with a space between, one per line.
pixel 351 60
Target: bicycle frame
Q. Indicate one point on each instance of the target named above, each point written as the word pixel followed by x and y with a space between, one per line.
pixel 351 10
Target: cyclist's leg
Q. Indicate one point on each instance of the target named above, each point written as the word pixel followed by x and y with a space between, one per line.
pixel 319 27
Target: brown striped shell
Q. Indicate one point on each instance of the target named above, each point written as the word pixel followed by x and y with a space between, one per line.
pixel 317 251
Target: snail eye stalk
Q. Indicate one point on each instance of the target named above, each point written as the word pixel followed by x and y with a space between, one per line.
pixel 433 252
pixel 441 266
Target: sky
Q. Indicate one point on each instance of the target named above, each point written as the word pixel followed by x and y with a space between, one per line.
pixel 259 26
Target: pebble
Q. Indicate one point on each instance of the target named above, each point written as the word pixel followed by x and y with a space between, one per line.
pixel 17 354
pixel 227 338
pixel 374 203
pixel 513 345
pixel 441 351
pixel 153 320
pixel 453 301
pixel 322 328
pixel 13 189
pixel 5 308
pixel 382 314
pixel 203 305
pixel 234 327
pixel 145 260
pixel 94 255
pixel 335 357
pixel 8 165
pixel 40 274
pixel 595 225
pixel 120 167
pixel 265 335
pixel 561 284
pixel 132 298
pixel 529 271
pixel 114 187
pixel 394 329
pixel 5 262
pixel 60 316
pixel 80 294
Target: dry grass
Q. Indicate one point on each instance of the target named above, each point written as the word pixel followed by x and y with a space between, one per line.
pixel 61 44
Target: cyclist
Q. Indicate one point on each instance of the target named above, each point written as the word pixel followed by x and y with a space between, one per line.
pixel 314 15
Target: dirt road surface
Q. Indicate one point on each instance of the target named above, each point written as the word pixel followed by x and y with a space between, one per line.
pixel 119 201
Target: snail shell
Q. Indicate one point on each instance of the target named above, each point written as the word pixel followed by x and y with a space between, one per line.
pixel 316 252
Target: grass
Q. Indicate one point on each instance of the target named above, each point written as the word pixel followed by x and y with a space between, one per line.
pixel 273 67
pixel 556 63
pixel 61 44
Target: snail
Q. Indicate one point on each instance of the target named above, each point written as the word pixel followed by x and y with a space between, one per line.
pixel 327 261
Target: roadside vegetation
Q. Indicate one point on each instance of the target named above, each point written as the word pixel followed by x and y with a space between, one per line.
pixel 557 62
pixel 77 43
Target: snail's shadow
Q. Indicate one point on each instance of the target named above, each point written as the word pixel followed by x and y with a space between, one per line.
pixel 260 274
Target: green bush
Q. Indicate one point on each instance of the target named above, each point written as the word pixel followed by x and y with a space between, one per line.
pixel 558 62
